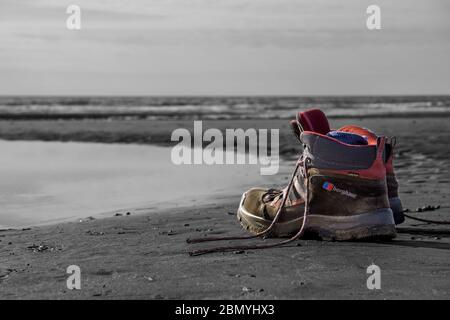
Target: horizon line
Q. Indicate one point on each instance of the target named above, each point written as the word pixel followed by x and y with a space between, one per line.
pixel 223 95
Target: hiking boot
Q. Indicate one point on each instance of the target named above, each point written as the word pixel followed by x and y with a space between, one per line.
pixel 391 180
pixel 338 190
pixel 315 120
pixel 392 185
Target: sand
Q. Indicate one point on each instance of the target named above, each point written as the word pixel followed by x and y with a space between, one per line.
pixel 144 255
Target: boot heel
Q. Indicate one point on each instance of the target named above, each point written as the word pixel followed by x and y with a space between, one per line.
pixel 397 209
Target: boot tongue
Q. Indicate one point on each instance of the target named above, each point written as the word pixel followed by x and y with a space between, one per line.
pixel 310 120
pixel 314 120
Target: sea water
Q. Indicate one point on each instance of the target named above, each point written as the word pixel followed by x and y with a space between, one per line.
pixel 48 182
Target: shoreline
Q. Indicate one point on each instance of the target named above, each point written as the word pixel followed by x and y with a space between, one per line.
pixel 144 256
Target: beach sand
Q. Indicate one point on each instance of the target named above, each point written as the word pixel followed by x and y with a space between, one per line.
pixel 144 256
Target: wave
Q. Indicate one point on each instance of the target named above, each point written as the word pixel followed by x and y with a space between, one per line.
pixel 216 107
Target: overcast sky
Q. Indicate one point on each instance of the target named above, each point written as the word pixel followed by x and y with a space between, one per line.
pixel 224 47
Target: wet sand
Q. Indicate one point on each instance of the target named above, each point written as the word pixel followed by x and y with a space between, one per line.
pixel 144 255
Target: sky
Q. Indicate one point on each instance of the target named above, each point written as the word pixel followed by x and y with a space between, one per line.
pixel 224 47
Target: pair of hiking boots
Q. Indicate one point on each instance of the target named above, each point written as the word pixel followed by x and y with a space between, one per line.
pixel 344 185
pixel 343 188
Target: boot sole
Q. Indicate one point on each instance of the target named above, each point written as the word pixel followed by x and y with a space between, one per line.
pixel 397 209
pixel 375 224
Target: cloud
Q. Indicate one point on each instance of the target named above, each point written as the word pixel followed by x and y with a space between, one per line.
pixel 180 45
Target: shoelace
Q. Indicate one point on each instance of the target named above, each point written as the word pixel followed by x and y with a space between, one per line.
pixel 271 195
pixel 426 220
pixel 303 162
